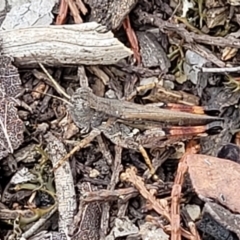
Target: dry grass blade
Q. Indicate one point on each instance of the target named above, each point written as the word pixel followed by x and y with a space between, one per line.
pixel 81 7
pixel 74 11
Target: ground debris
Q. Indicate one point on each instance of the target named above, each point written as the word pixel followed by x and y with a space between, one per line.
pixel 150 231
pixel 112 135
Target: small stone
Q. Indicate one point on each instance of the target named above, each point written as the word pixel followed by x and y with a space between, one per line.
pixel 193 211
pixel 94 173
pixel 149 231
pixel 2 5
pixel 146 81
pixel 193 59
pixel 122 227
pixel 110 94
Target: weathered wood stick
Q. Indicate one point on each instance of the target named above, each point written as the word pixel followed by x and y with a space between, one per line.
pixel 63 45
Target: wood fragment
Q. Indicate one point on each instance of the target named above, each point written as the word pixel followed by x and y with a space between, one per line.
pixel 215 178
pixel 64 184
pixel 110 13
pixel 63 45
pixel 86 224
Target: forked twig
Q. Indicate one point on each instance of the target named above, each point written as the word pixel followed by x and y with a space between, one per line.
pixel 159 206
pixel 80 145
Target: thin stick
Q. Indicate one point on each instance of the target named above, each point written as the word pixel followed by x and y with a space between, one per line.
pixel 220 70
pixel 63 9
pixel 80 145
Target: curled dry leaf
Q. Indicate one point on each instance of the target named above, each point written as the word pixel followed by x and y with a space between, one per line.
pixel 215 178
pixel 11 127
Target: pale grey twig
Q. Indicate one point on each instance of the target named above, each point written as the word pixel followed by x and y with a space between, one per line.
pixel 220 70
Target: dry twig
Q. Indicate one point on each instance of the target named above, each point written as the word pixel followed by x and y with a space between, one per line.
pixel 176 193
pixel 160 206
pixel 75 12
pixel 132 38
pixel 63 9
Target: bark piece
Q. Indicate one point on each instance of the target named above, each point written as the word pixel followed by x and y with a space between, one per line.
pixel 110 13
pixel 224 217
pixel 86 224
pixel 87 43
pixel 215 178
pixel 153 55
pixel 64 184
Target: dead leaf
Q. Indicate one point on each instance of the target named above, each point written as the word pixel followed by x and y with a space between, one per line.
pixel 10 82
pixel 11 127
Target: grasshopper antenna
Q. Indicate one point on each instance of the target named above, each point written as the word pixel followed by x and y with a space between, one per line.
pixel 57 87
pixel 59 98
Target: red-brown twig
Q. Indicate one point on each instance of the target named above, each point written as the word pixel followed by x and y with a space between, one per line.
pixel 176 194
pixel 63 9
pixel 132 39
